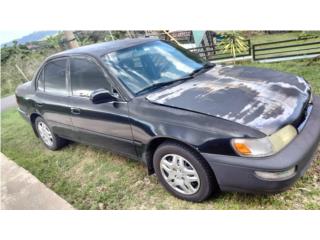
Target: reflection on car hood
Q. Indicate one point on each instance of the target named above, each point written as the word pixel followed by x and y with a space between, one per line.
pixel 259 98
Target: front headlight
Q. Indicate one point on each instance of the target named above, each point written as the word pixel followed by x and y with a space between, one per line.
pixel 253 147
pixel 261 147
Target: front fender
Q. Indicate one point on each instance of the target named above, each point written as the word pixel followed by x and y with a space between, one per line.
pixel 205 133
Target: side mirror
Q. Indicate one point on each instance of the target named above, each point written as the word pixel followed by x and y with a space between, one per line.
pixel 101 96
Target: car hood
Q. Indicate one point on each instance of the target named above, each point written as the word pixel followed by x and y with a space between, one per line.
pixel 263 99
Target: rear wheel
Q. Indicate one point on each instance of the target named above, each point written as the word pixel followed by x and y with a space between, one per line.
pixel 49 139
pixel 183 173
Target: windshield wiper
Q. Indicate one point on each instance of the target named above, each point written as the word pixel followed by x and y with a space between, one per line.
pixel 161 84
pixel 205 66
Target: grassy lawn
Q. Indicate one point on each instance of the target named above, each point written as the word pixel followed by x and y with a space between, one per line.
pixel 264 38
pixel 91 178
pixel 307 68
pixel 261 37
pixel 287 50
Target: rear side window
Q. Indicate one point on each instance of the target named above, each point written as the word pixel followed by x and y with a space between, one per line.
pixel 40 82
pixel 55 77
pixel 86 76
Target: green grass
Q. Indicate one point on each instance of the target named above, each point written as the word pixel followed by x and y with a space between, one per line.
pixel 91 178
pixel 263 38
pixel 286 51
pixel 309 69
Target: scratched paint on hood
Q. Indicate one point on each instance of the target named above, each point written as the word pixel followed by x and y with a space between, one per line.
pixel 263 99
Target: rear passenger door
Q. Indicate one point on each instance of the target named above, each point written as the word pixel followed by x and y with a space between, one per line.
pixel 52 97
pixel 104 124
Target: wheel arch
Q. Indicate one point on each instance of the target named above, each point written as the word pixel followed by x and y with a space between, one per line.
pixel 33 117
pixel 155 143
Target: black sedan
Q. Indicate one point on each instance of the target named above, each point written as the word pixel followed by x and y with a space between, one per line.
pixel 200 127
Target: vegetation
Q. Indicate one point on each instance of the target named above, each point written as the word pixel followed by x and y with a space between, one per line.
pixel 233 43
pixel 261 37
pixel 91 178
pixel 305 68
pixel 29 57
pixel 55 42
pixel 28 61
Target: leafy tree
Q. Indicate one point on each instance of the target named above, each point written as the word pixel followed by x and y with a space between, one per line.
pixel 54 42
pixel 84 41
pixel 5 53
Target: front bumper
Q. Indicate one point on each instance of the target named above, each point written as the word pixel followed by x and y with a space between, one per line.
pixel 235 173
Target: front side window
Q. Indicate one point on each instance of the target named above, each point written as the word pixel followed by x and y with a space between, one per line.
pixel 151 63
pixel 86 76
pixel 55 77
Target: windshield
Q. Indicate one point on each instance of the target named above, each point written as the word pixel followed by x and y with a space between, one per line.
pixel 151 64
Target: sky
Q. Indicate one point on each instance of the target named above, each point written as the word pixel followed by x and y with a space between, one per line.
pixel 7 36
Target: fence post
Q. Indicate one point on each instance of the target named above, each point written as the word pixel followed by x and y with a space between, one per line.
pixel 254 52
pixel 249 46
pixel 205 52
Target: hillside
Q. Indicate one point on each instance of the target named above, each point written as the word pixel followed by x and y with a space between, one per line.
pixel 33 37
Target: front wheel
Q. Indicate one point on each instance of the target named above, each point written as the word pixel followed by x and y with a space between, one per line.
pixel 183 173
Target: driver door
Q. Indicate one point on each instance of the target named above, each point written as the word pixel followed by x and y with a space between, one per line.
pixel 104 124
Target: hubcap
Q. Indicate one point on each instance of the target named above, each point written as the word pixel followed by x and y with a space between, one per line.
pixel 179 174
pixel 45 133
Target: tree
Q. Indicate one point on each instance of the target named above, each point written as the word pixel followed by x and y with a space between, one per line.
pixel 54 41
pixel 70 39
pixel 15 47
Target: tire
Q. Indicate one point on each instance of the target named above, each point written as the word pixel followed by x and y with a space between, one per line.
pixel 50 140
pixel 191 180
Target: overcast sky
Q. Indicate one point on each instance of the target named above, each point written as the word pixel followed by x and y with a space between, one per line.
pixel 7 36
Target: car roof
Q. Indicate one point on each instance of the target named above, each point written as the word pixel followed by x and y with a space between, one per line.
pixel 100 49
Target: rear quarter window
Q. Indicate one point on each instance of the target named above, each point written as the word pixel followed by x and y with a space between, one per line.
pixel 40 82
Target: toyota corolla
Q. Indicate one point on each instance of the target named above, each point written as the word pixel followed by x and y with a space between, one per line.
pixel 200 127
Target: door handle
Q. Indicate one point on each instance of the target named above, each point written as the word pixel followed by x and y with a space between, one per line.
pixel 75 110
pixel 39 104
